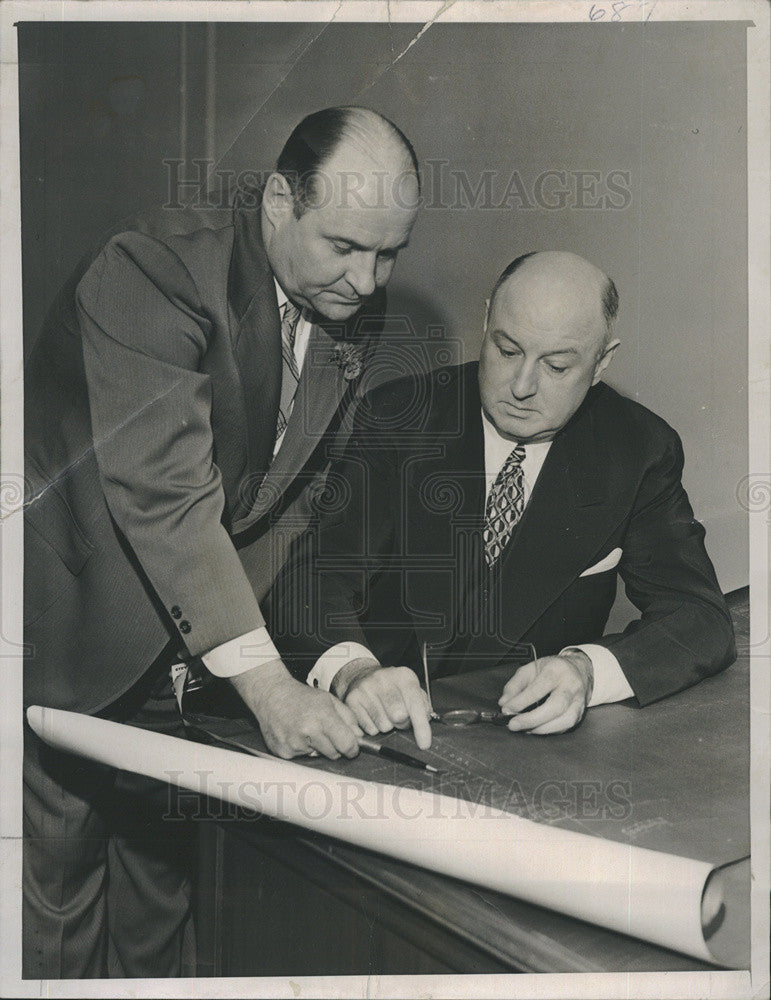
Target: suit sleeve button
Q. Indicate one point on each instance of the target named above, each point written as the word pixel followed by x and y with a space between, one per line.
pixel 184 627
pixel 175 612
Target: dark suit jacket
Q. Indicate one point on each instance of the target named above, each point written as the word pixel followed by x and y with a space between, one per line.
pixel 151 399
pixel 400 560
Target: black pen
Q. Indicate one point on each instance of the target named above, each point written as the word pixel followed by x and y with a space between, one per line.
pixel 370 746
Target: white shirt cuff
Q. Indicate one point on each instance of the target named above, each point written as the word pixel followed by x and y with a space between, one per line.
pixel 610 684
pixel 253 649
pixel 335 658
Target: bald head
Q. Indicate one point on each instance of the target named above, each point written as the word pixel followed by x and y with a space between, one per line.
pixel 351 143
pixel 548 339
pixel 338 209
pixel 563 281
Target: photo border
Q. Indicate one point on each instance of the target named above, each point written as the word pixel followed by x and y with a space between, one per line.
pixel 654 985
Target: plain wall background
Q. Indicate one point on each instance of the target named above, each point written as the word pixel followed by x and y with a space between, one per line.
pixel 102 107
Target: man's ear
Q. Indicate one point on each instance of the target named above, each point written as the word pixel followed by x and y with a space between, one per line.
pixel 605 360
pixel 277 200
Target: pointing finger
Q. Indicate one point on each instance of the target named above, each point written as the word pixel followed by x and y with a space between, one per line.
pixel 418 710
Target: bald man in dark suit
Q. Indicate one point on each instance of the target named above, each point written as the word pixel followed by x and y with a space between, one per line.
pixel 495 505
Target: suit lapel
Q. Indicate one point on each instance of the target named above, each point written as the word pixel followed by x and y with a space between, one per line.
pixel 568 518
pixel 320 392
pixel 256 332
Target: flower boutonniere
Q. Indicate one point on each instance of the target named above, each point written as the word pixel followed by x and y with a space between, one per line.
pixel 349 359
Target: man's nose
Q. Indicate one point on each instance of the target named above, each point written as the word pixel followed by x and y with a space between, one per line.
pixel 361 274
pixel 525 382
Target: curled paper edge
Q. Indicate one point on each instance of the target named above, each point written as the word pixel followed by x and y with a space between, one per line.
pixel 658 897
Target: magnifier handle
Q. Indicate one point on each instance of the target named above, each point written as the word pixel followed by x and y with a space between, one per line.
pixel 502 719
pixel 496 718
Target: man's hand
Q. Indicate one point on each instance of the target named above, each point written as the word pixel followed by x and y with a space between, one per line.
pixel 296 719
pixel 565 682
pixel 384 697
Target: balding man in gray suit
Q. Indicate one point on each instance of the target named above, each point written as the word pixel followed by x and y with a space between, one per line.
pixel 177 406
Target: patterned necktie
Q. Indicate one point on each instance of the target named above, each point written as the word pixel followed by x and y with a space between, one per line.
pixel 290 373
pixel 504 505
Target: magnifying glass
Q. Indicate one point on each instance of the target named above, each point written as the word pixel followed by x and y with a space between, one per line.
pixel 459 718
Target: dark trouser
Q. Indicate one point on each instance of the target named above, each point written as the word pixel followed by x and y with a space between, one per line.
pixel 108 881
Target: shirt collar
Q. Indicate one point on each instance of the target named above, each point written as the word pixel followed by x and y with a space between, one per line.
pixel 499 447
pixel 280 295
pixel 283 298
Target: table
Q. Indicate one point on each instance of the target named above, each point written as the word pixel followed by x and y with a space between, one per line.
pixel 674 776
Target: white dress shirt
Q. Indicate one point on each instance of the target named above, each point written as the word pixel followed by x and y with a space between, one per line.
pixel 256 647
pixel 610 684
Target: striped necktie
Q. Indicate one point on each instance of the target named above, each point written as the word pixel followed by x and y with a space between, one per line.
pixel 504 505
pixel 290 375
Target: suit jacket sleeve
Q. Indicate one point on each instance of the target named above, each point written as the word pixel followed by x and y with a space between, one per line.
pixel 144 333
pixel 685 631
pixel 319 597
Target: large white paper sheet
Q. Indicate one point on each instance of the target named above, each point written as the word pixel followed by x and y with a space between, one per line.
pixel 658 897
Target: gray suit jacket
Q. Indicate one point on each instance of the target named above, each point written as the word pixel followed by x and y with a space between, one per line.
pixel 155 515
